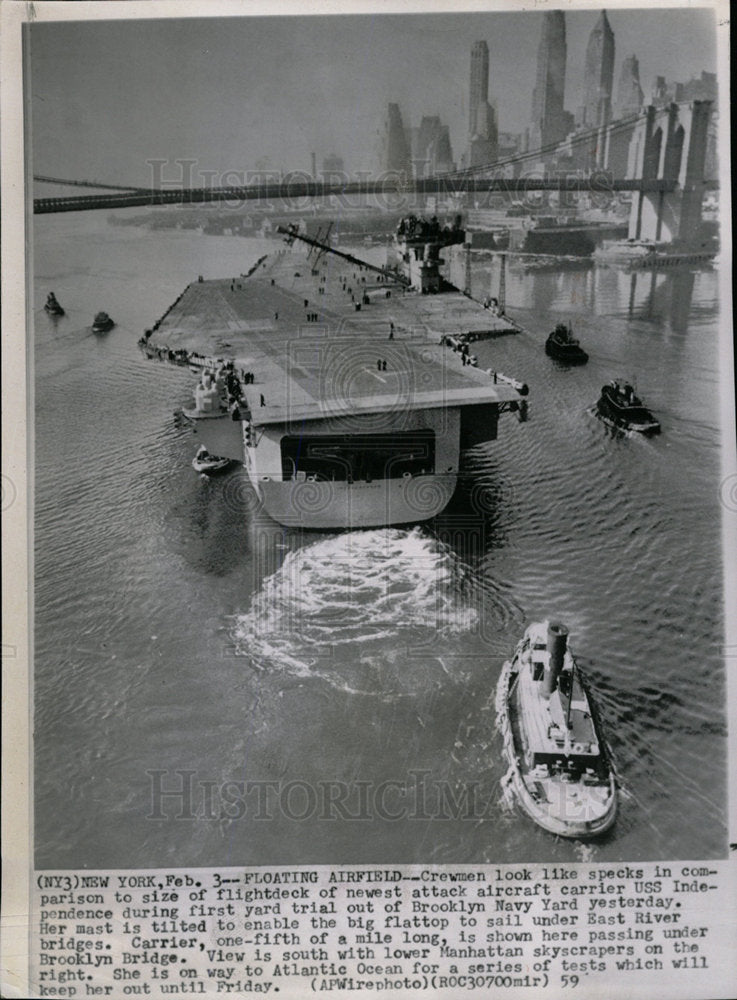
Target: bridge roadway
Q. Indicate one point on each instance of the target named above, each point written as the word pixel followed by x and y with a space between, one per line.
pixel 314 355
pixel 298 188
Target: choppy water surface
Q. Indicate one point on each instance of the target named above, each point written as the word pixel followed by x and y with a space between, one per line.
pixel 178 629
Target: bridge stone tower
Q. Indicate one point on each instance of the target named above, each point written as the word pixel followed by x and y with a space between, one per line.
pixel 669 144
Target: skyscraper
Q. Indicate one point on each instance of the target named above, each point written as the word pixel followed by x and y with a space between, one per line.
pixel 442 152
pixel 659 92
pixel 630 97
pixel 482 124
pixel 629 101
pixel 431 150
pixel 479 89
pixel 483 142
pixel 396 152
pixel 550 122
pixel 598 74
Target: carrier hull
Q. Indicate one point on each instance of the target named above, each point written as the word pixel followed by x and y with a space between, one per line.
pixel 325 480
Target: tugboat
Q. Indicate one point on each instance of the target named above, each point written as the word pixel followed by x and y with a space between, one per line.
pixel 206 463
pixel 559 767
pixel 622 409
pixel 52 306
pixel 102 323
pixel 563 346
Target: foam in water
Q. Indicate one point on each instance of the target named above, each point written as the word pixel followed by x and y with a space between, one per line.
pixel 353 594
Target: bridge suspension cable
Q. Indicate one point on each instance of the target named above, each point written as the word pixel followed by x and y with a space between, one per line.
pixel 75 183
pixel 573 139
pixel 549 148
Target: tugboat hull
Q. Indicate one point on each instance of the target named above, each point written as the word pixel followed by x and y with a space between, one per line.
pixel 646 428
pixel 563 347
pixel 625 416
pixel 52 305
pixel 570 354
pixel 102 323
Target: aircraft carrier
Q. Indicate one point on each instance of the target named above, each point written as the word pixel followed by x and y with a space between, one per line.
pixel 347 387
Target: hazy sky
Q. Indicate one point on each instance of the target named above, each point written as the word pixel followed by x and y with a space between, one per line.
pixel 228 92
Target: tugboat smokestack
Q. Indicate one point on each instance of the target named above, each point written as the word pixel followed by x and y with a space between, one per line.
pixel 557 643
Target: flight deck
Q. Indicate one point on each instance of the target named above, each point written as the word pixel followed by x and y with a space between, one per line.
pixel 333 339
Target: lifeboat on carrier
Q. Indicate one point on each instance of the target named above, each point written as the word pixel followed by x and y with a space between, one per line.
pixel 620 408
pixel 559 767
pixel 102 323
pixel 563 346
pixel 208 464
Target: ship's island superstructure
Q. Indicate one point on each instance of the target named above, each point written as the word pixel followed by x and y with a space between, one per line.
pixel 332 378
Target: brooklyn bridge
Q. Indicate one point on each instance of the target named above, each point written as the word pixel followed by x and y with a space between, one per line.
pixel 658 154
pixel 298 185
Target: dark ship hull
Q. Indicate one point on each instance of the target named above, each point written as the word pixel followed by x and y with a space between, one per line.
pixel 562 240
pixel 102 323
pixel 52 305
pixel 562 348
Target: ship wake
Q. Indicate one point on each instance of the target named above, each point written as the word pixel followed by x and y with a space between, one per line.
pixel 357 610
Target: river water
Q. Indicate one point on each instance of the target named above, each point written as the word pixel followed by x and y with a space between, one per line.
pixel 186 643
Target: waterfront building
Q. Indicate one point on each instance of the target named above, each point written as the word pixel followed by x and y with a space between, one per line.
pixel 701 88
pixel 698 88
pixel 333 164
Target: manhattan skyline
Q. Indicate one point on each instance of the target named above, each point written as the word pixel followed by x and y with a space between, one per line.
pixel 265 92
